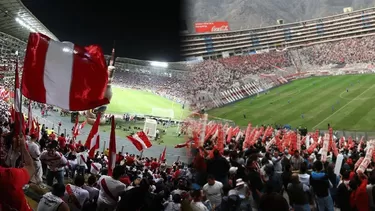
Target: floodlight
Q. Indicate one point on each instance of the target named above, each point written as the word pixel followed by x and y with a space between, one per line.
pixel 159 64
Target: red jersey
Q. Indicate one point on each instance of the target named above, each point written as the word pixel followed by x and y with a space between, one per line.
pixel 62 142
pixel 129 161
pixel 12 196
pixel 154 165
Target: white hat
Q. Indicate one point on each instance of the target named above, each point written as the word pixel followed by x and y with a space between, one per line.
pixel 233 170
pixel 239 182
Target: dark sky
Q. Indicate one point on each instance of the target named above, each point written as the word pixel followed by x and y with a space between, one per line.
pixel 142 29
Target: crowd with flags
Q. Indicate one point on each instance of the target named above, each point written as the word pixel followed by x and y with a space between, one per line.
pixel 232 169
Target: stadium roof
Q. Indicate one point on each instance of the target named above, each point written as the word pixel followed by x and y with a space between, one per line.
pixel 17 20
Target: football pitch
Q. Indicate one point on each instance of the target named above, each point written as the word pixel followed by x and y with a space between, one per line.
pixel 346 102
pixel 144 102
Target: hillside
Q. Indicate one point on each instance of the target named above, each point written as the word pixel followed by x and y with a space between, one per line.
pixel 255 13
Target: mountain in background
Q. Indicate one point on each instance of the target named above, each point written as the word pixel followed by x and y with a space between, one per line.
pixel 246 14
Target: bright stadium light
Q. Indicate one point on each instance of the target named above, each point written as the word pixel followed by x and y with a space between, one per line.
pixel 23 24
pixel 159 64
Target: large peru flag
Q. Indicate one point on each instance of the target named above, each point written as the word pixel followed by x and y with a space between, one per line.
pixel 64 74
pixel 140 140
pixel 92 142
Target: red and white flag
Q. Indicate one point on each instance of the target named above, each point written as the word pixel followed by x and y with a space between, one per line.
pixel 78 128
pixel 162 156
pixel 19 120
pixel 92 142
pixel 140 140
pixel 112 147
pixel 64 74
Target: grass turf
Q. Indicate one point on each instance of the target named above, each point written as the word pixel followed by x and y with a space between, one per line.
pixel 320 100
pixel 141 102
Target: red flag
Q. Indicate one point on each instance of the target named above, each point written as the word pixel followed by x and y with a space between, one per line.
pixel 92 142
pixel 140 140
pixel 75 127
pixel 112 148
pixel 162 156
pixel 78 128
pixel 64 74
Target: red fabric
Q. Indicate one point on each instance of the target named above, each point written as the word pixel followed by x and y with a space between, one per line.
pixel 154 165
pixel 89 74
pixel 92 142
pixel 12 180
pixel 112 148
pixel 140 141
pixel 62 142
pixel 119 158
pixel 162 156
pixel 359 198
pixel 125 180
pixel 176 174
pixel 70 193
pixel 129 161
pixel 52 136
pixel 199 163
pixel 72 147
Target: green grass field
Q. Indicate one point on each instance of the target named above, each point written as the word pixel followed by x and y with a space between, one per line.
pixel 142 102
pixel 321 100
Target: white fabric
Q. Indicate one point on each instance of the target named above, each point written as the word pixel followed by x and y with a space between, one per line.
pixel 114 186
pixel 198 206
pixel 33 149
pixel 49 202
pixel 82 159
pixel 93 170
pixel 58 69
pixel 81 194
pixel 55 161
pixel 213 193
pixel 93 192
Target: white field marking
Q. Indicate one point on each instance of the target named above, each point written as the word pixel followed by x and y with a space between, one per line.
pixel 343 106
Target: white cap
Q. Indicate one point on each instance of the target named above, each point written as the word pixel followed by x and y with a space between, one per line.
pixel 239 182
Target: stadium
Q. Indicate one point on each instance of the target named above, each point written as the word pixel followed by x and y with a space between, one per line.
pixel 315 74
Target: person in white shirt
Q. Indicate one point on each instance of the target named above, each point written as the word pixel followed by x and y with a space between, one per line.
pixel 95 167
pixel 213 190
pixel 82 161
pixel 196 204
pixel 55 162
pixel 35 153
pixel 93 191
pixel 75 196
pixel 71 165
pixel 110 190
pixel 52 201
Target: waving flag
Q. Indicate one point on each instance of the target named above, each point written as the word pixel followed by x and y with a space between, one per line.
pixel 112 148
pixel 162 156
pixel 63 74
pixel 140 140
pixel 92 142
pixel 19 120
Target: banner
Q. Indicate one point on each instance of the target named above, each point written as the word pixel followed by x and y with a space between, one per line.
pixel 207 27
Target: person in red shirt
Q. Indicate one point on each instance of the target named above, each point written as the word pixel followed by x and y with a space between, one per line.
pixel 52 136
pixel 79 145
pixel 12 181
pixel 129 160
pixel 359 198
pixel 72 146
pixel 119 158
pixel 125 179
pixel 62 141
pixel 154 164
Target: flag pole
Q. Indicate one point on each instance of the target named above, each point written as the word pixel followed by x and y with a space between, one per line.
pixel 20 97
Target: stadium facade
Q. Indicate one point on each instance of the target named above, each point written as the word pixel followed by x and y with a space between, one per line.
pixel 294 35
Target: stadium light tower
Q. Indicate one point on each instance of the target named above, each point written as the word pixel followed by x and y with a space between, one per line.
pixel 159 64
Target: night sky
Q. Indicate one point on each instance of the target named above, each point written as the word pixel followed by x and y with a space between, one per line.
pixel 142 29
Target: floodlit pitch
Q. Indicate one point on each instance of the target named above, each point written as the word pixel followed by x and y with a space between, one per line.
pixel 346 102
